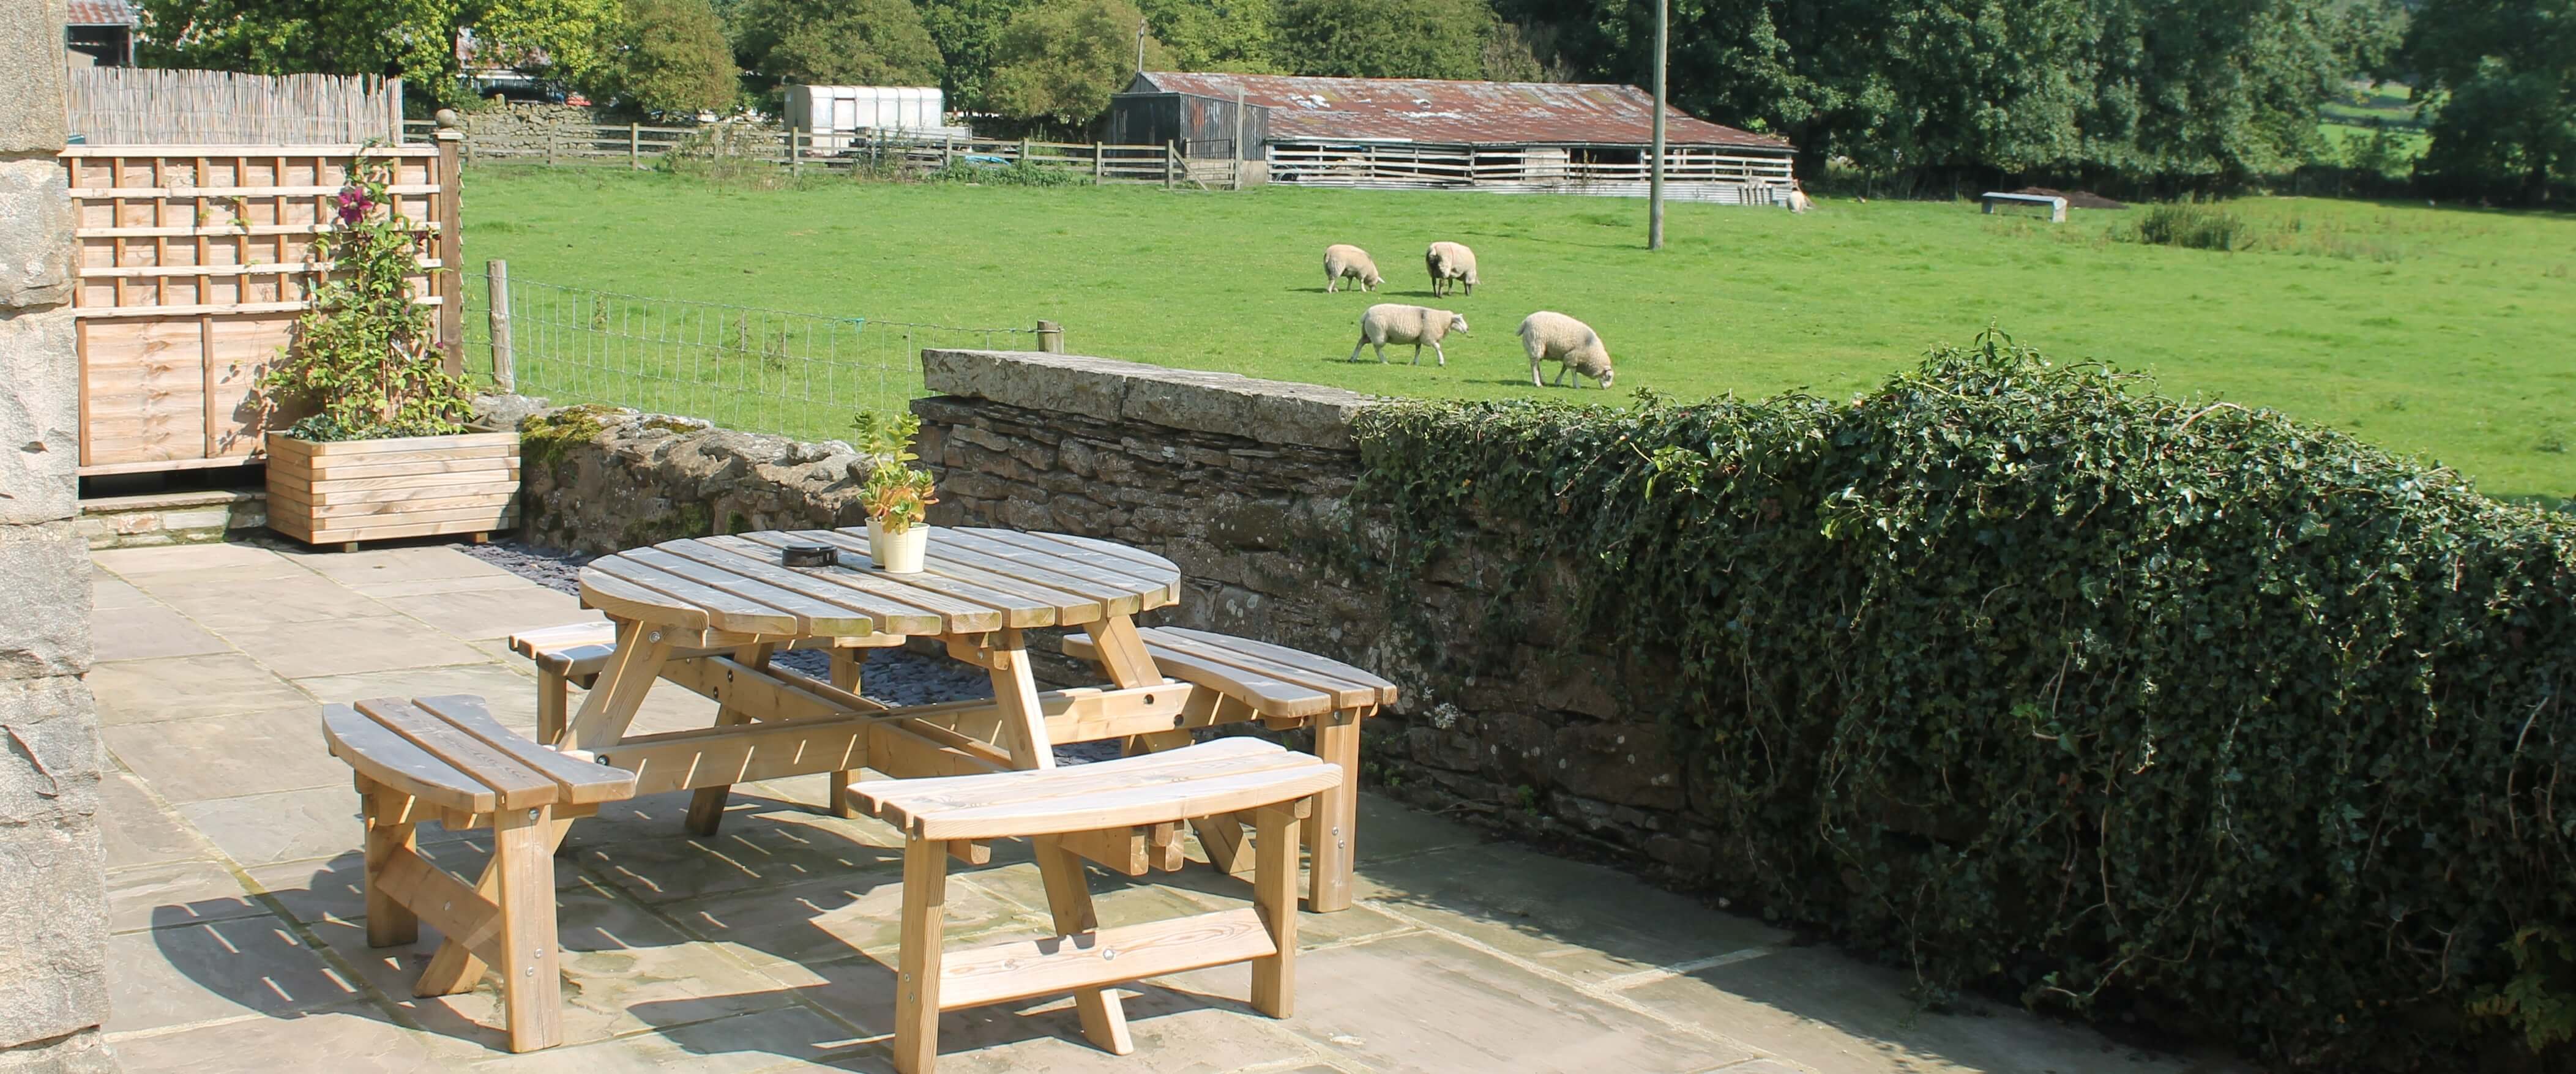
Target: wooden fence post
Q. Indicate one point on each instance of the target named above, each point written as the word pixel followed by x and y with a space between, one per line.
pixel 1024 149
pixel 505 364
pixel 634 147
pixel 795 160
pixel 1050 337
pixel 947 152
pixel 1171 155
pixel 393 97
pixel 448 281
pixel 1096 173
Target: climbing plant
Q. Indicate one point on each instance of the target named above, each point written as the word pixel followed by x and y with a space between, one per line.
pixel 364 359
pixel 2030 678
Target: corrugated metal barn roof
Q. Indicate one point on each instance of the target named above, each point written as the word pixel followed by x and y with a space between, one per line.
pixel 1436 110
pixel 100 13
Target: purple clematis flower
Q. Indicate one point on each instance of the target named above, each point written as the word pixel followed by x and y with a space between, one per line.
pixel 354 204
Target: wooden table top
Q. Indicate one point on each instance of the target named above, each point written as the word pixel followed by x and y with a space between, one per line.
pixel 973 580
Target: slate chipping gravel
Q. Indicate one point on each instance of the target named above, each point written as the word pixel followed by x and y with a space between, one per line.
pixel 890 676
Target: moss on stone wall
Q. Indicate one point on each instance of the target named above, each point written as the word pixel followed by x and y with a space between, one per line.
pixel 545 438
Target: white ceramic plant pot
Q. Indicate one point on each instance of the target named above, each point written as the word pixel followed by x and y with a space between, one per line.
pixel 897 553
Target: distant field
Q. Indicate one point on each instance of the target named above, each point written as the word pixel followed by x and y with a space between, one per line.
pixel 2441 332
pixel 2371 109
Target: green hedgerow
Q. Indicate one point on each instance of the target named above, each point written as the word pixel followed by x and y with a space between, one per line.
pixel 2027 677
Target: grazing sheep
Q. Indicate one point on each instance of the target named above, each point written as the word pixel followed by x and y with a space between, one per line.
pixel 1572 343
pixel 1389 322
pixel 1343 260
pixel 1450 261
pixel 1799 202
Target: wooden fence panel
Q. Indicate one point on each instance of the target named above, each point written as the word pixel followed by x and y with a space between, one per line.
pixel 193 263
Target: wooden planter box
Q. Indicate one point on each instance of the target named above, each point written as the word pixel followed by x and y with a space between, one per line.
pixel 371 490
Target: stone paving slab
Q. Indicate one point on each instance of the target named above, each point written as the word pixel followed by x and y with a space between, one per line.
pixel 238 915
pixel 216 684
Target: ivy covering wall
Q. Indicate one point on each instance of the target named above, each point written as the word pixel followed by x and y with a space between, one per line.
pixel 2030 678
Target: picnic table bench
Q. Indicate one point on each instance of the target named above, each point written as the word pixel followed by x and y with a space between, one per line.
pixel 710 614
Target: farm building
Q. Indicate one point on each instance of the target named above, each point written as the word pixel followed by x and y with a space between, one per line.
pixel 1409 133
pixel 99 33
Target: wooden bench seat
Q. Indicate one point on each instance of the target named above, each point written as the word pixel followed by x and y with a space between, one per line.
pixel 446 759
pixel 1283 688
pixel 1242 776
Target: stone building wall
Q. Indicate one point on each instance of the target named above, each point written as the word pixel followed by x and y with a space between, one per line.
pixel 53 909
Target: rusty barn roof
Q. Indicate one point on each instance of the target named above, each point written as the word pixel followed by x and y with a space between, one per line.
pixel 1442 111
pixel 100 13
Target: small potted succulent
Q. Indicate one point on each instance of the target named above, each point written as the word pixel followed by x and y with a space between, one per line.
pixel 897 497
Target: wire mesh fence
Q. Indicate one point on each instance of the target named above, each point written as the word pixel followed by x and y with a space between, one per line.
pixel 757 370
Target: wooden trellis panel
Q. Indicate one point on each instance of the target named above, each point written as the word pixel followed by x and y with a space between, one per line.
pixel 194 262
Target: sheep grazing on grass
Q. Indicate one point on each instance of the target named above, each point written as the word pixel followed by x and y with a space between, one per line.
pixel 1389 322
pixel 1450 264
pixel 1573 344
pixel 1342 260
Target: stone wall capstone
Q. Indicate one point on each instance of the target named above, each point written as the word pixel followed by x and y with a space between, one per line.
pixel 53 906
pixel 1246 485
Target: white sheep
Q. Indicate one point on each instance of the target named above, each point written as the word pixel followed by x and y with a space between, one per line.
pixel 1572 343
pixel 1344 260
pixel 1390 322
pixel 1449 261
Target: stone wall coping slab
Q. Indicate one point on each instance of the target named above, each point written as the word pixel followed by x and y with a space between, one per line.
pixel 1110 390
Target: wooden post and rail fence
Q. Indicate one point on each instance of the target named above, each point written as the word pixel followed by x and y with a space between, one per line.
pixel 639 145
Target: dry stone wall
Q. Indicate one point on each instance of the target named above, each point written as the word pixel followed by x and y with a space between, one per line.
pixel 531 128
pixel 53 909
pixel 1246 485
pixel 600 479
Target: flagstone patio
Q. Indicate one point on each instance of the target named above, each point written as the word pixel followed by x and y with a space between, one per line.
pixel 232 845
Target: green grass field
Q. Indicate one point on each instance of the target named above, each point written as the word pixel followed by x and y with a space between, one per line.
pixel 2437 332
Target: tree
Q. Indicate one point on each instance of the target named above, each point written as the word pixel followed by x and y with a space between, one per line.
pixel 2501 80
pixel 836 43
pixel 965 32
pixel 669 56
pixel 411 39
pixel 1217 35
pixel 1386 38
pixel 1061 61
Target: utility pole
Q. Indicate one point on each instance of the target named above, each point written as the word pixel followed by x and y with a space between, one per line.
pixel 1655 176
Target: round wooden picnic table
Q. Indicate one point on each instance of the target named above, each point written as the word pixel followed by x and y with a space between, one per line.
pixel 974 580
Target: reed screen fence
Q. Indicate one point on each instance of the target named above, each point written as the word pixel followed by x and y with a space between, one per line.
pixel 132 106
pixel 802 375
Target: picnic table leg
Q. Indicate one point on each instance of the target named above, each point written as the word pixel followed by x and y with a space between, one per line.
pixel 1104 1017
pixel 605 714
pixel 706 806
pixel 523 854
pixel 845 674
pixel 389 922
pixel 916 988
pixel 1331 829
pixel 1015 692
